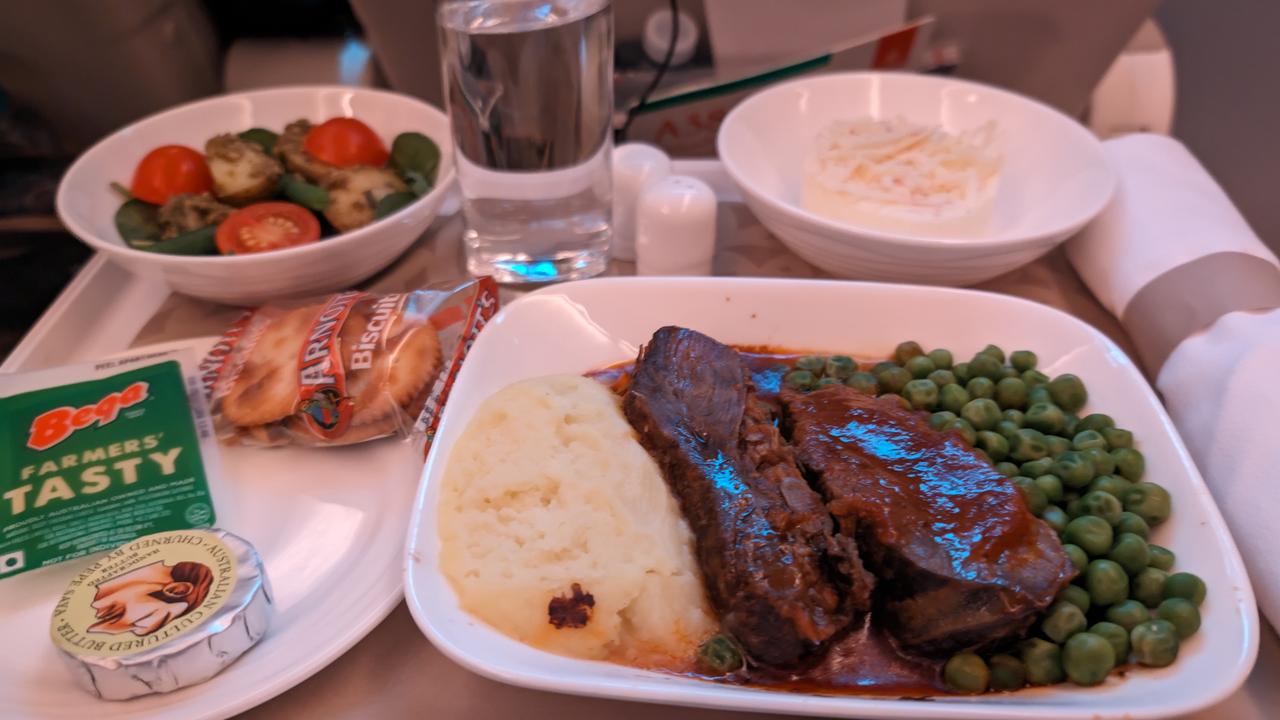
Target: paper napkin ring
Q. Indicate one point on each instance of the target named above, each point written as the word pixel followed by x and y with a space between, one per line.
pixel 1190 297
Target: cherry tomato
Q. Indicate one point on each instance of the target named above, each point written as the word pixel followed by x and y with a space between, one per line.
pixel 266 226
pixel 170 170
pixel 344 142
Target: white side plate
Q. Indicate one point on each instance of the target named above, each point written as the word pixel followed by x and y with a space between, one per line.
pixel 579 326
pixel 329 524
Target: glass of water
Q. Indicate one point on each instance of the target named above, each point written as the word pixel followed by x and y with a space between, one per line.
pixel 529 87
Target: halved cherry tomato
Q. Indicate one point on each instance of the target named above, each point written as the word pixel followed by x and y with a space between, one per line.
pixel 344 142
pixel 266 226
pixel 170 170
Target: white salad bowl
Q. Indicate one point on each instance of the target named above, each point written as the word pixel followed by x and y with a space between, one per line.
pixel 581 326
pixel 1053 179
pixel 87 204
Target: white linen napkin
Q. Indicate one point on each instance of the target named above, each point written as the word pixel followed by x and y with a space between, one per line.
pixel 1168 212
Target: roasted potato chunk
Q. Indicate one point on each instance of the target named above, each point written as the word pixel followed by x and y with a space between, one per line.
pixel 289 149
pixel 354 194
pixel 242 170
pixel 186 212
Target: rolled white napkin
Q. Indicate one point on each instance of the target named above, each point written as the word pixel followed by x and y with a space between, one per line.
pixel 1172 245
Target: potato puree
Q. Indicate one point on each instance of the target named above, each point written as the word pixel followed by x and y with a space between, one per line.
pixel 548 487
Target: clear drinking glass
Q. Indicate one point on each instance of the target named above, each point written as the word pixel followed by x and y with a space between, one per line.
pixel 529 87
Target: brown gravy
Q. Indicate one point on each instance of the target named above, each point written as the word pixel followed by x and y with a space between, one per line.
pixel 864 661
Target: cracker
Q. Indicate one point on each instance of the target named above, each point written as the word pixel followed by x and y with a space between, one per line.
pixel 402 374
pixel 266 388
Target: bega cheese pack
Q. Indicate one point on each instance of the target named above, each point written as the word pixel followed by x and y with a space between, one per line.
pixel 99 454
pixel 345 368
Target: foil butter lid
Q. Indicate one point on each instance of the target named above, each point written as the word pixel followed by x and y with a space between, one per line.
pixel 162 612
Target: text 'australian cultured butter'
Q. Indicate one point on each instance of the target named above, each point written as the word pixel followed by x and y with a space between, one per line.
pixel 162 612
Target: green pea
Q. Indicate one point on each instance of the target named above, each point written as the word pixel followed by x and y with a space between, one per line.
pixel 919 366
pixel 1039 394
pixel 1069 428
pixel 1128 614
pixel 982 414
pixel 981 387
pixel 1007 429
pixel 939 420
pixel 986 366
pixel 1051 486
pixel 922 394
pixel 1034 378
pixel 1007 672
pixel 1043 661
pixel 1104 505
pixel 1008 372
pixel 1062 621
pixel 1106 582
pixel 963 427
pixel 895 400
pixel 961 371
pixel 892 380
pixel 1045 417
pixel 1017 417
pixel 1027 445
pixel 1073 507
pixel 1182 614
pixel 1161 557
pixel 863 382
pixel 953 397
pixel 826 381
pixel 1075 595
pixel 942 377
pixel 1184 585
pixel 1130 552
pixel 882 366
pixel 1091 533
pixel 1007 469
pixel 1087 658
pixel 1110 484
pixel 1115 634
pixel 840 367
pixel 1147 586
pixel 1103 464
pixel 1011 393
pixel 1074 469
pixel 1036 468
pixel 1036 501
pixel 1087 440
pixel 994 351
pixel 1117 438
pixel 1079 558
pixel 813 363
pixel 1154 643
pixel 982 454
pixel 1096 422
pixel 800 379
pixel 941 358
pixel 1149 501
pixel 719 655
pixel 1057 445
pixel 1129 463
pixel 992 444
pixel 1133 524
pixel 1068 392
pixel 966 673
pixel 1022 360
pixel 907 350
pixel 1056 518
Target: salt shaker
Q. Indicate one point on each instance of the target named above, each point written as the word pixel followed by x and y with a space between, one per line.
pixel 675 227
pixel 635 166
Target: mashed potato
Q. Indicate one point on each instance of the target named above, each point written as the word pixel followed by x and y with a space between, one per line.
pixel 548 487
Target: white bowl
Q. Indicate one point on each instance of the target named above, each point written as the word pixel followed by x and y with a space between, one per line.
pixel 1053 180
pixel 87 205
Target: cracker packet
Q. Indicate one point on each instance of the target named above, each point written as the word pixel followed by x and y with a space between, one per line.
pixel 346 368
pixel 99 454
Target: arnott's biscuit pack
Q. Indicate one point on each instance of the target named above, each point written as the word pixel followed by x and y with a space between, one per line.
pixel 343 369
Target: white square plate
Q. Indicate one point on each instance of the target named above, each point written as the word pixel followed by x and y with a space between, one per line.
pixel 580 326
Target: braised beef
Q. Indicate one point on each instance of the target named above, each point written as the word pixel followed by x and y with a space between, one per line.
pixel 960 561
pixel 782 584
